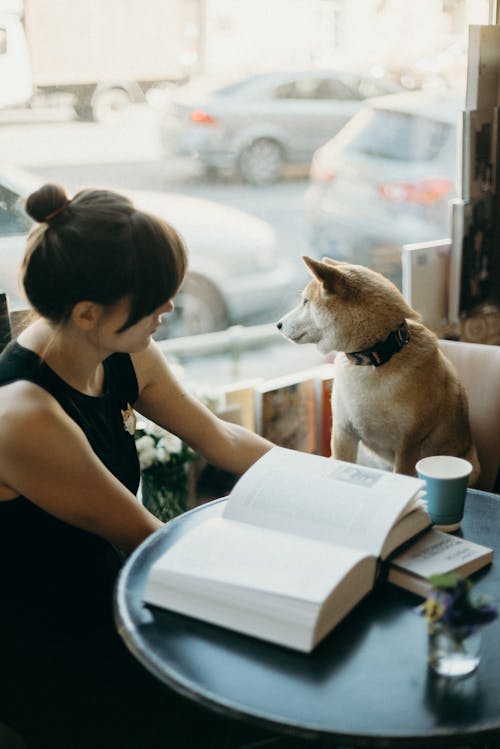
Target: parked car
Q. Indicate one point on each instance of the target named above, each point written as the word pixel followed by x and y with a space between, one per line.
pixel 235 268
pixel 385 180
pixel 258 124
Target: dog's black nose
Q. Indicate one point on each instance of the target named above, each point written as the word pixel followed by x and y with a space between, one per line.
pixel 279 325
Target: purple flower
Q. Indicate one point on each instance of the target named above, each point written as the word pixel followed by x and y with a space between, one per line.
pixel 450 604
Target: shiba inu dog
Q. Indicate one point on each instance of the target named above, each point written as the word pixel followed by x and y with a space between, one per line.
pixel 394 392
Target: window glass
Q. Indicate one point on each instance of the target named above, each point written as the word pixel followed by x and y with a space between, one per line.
pixel 250 126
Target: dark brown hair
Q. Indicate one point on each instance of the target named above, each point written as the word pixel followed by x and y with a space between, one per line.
pixel 98 247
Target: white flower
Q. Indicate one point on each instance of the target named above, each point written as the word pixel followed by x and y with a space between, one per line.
pixel 163 455
pixel 147 457
pixel 144 443
pixel 145 425
pixel 171 443
pixel 155 431
pixel 157 445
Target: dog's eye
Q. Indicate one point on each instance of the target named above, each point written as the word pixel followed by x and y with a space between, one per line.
pixel 304 302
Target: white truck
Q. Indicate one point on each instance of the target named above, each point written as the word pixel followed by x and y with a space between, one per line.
pixel 106 54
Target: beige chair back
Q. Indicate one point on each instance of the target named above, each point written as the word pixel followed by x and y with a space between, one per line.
pixel 478 366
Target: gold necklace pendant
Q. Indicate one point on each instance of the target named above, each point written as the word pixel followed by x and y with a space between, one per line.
pixel 129 419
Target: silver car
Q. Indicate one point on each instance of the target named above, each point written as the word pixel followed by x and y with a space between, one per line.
pixel 235 269
pixel 385 180
pixel 259 124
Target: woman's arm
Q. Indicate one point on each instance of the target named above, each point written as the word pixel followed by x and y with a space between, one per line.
pixel 163 400
pixel 45 456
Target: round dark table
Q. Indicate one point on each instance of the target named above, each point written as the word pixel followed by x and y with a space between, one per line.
pixel 366 684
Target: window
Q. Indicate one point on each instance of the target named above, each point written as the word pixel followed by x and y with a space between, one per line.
pixel 244 124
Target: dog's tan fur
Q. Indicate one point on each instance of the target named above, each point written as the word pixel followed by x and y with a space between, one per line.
pixel 410 407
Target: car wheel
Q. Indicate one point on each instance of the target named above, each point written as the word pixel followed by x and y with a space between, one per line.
pixel 199 308
pixel 109 105
pixel 261 162
pixel 83 108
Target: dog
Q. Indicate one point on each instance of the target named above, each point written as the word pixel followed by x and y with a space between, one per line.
pixel 394 394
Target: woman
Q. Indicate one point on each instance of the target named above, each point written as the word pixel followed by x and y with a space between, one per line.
pixel 99 273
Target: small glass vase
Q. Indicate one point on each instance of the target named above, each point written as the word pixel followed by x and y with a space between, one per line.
pixel 165 490
pixel 453 652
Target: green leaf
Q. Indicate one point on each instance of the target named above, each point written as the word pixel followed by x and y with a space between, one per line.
pixel 444 582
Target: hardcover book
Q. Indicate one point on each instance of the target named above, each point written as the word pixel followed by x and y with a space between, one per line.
pixel 286 412
pixel 242 394
pixel 292 551
pixel 324 393
pixel 426 279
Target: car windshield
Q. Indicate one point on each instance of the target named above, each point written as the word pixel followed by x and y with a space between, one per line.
pixel 398 136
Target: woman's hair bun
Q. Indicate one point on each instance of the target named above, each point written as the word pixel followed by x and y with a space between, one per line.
pixel 45 201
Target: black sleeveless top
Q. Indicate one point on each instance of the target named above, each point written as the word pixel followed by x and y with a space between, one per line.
pixel 54 576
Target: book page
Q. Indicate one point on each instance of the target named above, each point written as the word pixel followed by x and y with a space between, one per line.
pixel 323 499
pixel 229 560
pixel 407 527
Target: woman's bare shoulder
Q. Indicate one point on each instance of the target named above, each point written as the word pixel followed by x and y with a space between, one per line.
pixel 29 417
pixel 23 393
pixel 22 404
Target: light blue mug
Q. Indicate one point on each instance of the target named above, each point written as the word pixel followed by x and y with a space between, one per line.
pixel 446 479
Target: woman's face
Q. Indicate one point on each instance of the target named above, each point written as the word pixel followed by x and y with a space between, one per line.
pixel 135 338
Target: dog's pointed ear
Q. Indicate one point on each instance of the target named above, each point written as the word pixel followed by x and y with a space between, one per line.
pixel 327 273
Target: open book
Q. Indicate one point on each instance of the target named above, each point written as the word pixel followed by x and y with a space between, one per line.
pixel 294 550
pixel 436 553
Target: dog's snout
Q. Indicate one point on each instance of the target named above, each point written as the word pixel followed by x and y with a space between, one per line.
pixel 279 325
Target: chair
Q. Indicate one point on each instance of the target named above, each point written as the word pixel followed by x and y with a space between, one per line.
pixel 12 322
pixel 5 329
pixel 478 366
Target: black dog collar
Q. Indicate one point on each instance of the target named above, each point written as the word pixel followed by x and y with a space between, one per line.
pixel 384 350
